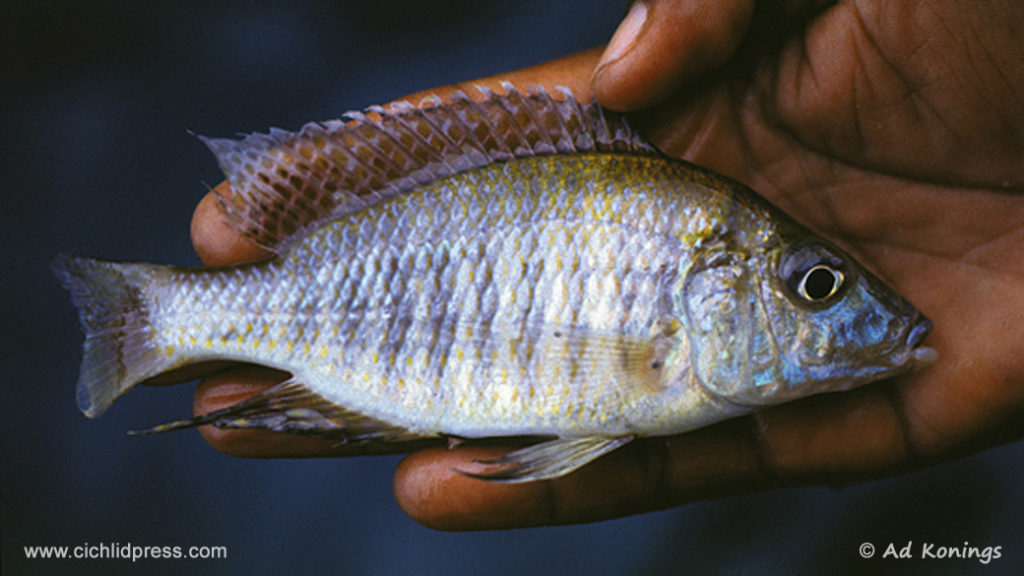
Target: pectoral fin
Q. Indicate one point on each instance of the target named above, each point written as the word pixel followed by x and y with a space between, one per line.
pixel 549 459
pixel 292 407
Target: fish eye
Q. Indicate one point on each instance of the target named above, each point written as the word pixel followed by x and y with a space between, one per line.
pixel 814 272
pixel 820 283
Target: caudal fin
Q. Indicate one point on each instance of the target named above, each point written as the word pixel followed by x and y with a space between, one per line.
pixel 118 351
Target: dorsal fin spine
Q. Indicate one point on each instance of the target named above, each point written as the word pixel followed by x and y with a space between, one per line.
pixel 540 125
pixel 468 106
pixel 450 113
pixel 439 157
pixel 601 131
pixel 569 145
pixel 516 127
pixel 376 152
pixel 403 109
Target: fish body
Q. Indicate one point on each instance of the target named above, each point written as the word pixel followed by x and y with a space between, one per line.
pixel 519 266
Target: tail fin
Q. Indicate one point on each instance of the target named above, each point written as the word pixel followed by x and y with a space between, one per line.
pixel 119 351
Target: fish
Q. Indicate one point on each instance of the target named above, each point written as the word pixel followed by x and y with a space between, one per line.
pixel 516 265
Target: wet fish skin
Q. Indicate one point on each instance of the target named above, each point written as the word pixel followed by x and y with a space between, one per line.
pixel 589 293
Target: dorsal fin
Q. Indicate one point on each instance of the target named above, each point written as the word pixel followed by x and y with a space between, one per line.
pixel 287 182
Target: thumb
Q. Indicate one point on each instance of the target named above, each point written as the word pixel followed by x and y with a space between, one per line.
pixel 662 44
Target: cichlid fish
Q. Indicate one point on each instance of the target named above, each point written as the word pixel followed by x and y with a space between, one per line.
pixel 521 265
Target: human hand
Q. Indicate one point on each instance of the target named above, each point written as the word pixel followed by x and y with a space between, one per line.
pixel 897 135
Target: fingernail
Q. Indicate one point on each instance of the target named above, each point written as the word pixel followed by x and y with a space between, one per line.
pixel 626 33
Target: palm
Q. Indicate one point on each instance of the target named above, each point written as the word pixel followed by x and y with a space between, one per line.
pixel 929 199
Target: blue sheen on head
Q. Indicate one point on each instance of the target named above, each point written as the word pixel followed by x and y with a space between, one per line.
pixel 814 321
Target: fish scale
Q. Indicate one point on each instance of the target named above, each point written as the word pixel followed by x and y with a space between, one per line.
pixel 521 265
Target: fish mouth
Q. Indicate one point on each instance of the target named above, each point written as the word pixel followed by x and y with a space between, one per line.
pixel 919 356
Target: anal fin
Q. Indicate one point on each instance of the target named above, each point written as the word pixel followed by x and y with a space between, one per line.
pixel 549 459
pixel 292 407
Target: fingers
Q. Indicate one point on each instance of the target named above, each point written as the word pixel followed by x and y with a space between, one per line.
pixel 215 241
pixel 832 437
pixel 662 44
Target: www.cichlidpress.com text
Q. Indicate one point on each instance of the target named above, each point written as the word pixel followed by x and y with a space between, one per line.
pixel 118 551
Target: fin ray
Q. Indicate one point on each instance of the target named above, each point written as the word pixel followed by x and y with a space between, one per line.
pixel 118 351
pixel 549 459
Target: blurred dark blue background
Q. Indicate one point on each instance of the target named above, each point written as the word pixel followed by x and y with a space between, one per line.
pixel 97 99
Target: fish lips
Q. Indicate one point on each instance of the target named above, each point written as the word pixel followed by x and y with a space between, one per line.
pixel 919 356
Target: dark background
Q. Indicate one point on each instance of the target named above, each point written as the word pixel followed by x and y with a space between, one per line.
pixel 97 99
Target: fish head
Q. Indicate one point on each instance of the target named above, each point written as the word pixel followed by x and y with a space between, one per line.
pixel 806 319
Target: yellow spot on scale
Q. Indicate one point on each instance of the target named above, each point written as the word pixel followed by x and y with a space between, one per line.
pixel 169 350
pixel 323 351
